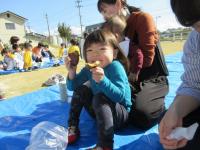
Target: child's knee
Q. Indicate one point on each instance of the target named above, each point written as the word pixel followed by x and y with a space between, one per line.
pixel 98 100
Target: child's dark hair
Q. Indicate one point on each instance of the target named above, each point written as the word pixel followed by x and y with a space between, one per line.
pixel 40 44
pixel 63 44
pixel 186 11
pixel 15 46
pixel 46 46
pixel 106 37
pixel 73 42
pixel 14 39
pixel 27 45
pixel 112 2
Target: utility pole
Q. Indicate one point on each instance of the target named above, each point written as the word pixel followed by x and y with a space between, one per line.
pixel 28 30
pixel 48 27
pixel 79 10
pixel 157 17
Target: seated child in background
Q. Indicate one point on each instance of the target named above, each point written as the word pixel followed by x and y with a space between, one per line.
pixel 18 56
pixel 47 53
pixel 108 99
pixel 8 61
pixel 27 56
pixel 74 52
pixel 117 25
pixel 36 52
pixel 61 50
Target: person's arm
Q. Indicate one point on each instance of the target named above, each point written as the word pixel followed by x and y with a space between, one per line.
pixel 188 95
pixel 173 118
pixel 185 104
pixel 147 38
pixel 115 87
pixel 136 64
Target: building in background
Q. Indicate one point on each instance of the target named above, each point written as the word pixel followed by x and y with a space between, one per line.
pixel 12 24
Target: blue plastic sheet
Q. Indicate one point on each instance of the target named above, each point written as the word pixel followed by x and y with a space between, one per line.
pixel 20 114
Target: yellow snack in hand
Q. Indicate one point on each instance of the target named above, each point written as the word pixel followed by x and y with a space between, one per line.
pixel 93 65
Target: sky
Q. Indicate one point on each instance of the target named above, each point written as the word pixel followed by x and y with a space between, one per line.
pixel 59 11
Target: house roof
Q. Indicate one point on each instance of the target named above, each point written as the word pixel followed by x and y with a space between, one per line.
pixel 9 12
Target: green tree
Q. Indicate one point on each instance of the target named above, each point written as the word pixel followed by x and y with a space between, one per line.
pixel 64 32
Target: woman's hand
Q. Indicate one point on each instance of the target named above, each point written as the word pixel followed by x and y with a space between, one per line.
pixel 97 74
pixel 170 121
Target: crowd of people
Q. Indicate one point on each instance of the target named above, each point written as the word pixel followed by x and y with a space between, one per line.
pixel 25 57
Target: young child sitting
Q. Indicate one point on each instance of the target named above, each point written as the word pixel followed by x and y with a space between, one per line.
pixel 18 56
pixel 117 25
pixel 36 52
pixel 27 57
pixel 108 99
pixel 61 50
pixel 47 53
pixel 8 61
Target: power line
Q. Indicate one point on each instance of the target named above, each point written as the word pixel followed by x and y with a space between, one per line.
pixel 79 10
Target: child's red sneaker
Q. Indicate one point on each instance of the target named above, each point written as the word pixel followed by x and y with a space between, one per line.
pixel 73 134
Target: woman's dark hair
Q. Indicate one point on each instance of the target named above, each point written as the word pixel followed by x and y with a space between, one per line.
pixel 106 37
pixel 14 39
pixel 112 2
pixel 186 11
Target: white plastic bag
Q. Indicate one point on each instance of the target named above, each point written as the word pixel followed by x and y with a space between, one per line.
pixel 48 136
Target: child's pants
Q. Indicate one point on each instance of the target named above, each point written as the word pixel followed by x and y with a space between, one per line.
pixel 109 115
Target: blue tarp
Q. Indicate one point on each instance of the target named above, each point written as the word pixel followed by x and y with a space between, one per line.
pixel 20 114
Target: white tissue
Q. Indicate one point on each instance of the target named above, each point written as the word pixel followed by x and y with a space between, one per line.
pixel 180 132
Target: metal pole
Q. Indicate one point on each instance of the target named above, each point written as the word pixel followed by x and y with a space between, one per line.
pixel 48 27
pixel 79 6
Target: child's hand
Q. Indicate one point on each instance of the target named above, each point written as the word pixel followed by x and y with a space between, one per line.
pixel 97 74
pixel 68 64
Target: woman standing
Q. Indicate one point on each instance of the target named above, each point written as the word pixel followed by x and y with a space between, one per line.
pixel 151 86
